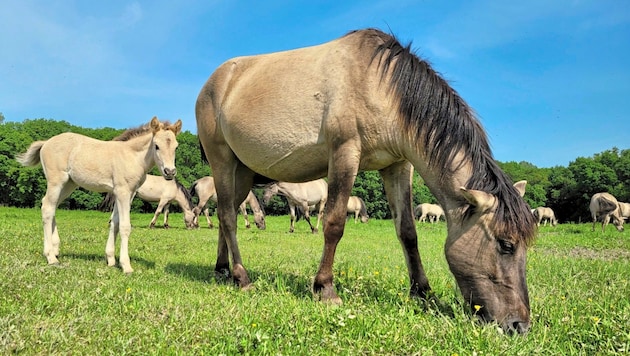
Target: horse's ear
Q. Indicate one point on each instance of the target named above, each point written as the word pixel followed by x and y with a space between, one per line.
pixel 520 187
pixel 481 200
pixel 177 128
pixel 155 124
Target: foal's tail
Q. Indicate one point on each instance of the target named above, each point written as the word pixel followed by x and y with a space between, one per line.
pixel 31 158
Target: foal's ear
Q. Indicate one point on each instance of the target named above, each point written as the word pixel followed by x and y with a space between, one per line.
pixel 520 187
pixel 177 127
pixel 155 124
pixel 480 200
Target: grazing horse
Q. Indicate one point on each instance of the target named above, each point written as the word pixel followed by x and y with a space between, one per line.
pixel 604 206
pixel 204 189
pixel 356 206
pixel 157 189
pixel 70 160
pixel 543 213
pixel 366 102
pixel 624 210
pixel 303 196
pixel 433 211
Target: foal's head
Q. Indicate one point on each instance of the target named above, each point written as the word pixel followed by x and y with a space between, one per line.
pixel 163 146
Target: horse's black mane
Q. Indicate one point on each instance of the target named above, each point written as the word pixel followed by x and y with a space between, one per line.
pixel 440 119
pixel 187 194
pixel 137 131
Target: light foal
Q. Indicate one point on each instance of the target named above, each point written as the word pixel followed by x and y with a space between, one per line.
pixel 70 160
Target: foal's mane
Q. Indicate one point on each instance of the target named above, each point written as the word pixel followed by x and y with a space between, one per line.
pixel 440 120
pixel 138 131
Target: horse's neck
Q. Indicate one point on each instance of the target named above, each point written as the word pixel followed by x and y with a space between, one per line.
pixel 142 145
pixel 253 202
pixel 180 198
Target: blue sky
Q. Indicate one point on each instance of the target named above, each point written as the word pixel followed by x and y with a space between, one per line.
pixel 549 80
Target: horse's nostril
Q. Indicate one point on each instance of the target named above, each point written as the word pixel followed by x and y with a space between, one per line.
pixel 519 326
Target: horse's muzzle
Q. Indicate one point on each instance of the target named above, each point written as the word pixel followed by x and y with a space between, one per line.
pixel 169 174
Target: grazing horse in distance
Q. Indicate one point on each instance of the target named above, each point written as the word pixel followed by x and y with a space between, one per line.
pixel 624 210
pixel 604 206
pixel 204 189
pixel 70 160
pixel 433 211
pixel 157 189
pixel 545 214
pixel 356 206
pixel 358 103
pixel 301 196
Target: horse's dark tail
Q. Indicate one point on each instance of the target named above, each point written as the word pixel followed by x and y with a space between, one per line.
pixel 193 188
pixel 108 202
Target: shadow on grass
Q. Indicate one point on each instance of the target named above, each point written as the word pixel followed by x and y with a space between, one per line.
pixel 296 285
pixel 101 258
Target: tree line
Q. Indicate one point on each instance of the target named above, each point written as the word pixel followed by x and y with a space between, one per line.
pixel 567 190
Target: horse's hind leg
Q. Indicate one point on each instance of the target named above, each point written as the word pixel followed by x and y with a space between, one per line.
pixel 55 194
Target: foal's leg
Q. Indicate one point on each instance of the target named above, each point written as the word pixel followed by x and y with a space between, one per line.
pixel 124 204
pixel 397 181
pixel 58 189
pixel 157 213
pixel 110 246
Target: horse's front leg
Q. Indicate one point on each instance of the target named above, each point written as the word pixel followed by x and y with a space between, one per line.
pixel 166 211
pixel 243 209
pixel 292 215
pixel 307 217
pixel 342 171
pixel 124 221
pixel 397 180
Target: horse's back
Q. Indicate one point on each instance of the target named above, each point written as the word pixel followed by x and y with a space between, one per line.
pixel 309 96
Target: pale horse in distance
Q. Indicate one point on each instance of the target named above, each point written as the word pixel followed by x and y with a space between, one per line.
pixel 301 196
pixel 431 211
pixel 157 189
pixel 70 160
pixel 205 190
pixel 544 214
pixel 356 206
pixel 603 207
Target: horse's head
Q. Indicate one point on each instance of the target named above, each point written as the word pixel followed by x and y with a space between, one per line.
pixel 488 261
pixel 190 218
pixel 270 191
pixel 617 221
pixel 164 144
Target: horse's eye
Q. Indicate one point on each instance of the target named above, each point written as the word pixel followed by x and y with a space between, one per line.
pixel 506 247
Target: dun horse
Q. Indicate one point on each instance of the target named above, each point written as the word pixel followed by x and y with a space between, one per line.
pixel 543 213
pixel 431 211
pixel 204 189
pixel 301 196
pixel 366 102
pixel 157 189
pixel 604 206
pixel 119 166
pixel 356 206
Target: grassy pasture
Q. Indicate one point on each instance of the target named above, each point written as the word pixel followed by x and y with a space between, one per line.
pixel 579 289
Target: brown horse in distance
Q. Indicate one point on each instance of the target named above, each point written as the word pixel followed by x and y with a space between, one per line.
pixel 366 102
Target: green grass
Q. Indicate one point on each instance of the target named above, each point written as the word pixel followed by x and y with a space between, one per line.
pixel 578 280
